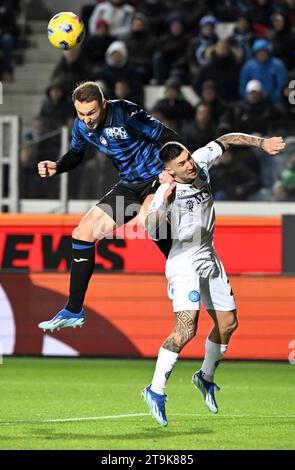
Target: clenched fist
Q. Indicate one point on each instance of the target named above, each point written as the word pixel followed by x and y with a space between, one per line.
pixel 47 168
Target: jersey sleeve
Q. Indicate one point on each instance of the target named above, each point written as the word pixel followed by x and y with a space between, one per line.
pixel 208 154
pixel 158 199
pixel 141 124
pixel 157 214
pixel 78 143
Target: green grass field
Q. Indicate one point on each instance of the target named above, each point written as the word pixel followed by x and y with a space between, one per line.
pixel 99 401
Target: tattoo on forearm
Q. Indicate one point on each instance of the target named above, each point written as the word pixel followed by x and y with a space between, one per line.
pixel 240 139
pixel 184 331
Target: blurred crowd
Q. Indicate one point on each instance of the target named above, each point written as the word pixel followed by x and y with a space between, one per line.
pixel 238 56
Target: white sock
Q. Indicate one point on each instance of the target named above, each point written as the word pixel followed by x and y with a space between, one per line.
pixel 214 353
pixel 165 363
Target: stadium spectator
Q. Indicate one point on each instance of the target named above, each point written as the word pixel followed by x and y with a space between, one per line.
pixel 223 68
pixel 288 9
pixel 222 113
pixel 56 109
pixel 171 55
pixel 157 12
pixel 190 10
pixel 117 67
pixel 228 10
pixel 270 71
pixel 174 107
pixel 261 13
pixel 122 90
pixel 8 32
pixel 38 144
pixel 118 15
pixel 232 179
pixel 98 175
pixel 282 38
pixel 254 113
pixel 201 130
pixel 283 118
pixel 278 193
pixel 70 69
pixel 243 37
pixel 199 45
pixel 287 178
pixel 141 46
pixel 95 46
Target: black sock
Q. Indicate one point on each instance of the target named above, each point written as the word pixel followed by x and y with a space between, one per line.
pixel 81 270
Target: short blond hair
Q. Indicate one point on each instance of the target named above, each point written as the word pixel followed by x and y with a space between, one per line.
pixel 87 92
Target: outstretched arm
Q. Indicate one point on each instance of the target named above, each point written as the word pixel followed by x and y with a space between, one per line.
pixel 273 145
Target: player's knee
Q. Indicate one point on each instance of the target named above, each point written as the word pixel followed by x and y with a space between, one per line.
pixel 77 234
pixel 230 325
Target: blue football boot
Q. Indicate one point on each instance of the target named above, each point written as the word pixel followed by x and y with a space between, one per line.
pixel 64 319
pixel 156 404
pixel 207 390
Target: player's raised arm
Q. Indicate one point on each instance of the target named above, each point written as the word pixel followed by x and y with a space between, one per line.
pixel 272 145
pixel 159 208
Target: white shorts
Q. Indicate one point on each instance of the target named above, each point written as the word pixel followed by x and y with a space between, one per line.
pixel 212 289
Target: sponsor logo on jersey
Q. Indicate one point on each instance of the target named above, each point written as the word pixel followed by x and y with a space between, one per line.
pixel 210 148
pixel 194 296
pixel 103 141
pixel 202 196
pixel 190 205
pixel 116 133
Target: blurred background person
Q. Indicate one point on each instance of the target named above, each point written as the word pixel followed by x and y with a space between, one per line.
pixel 118 15
pixel 174 107
pixel 223 69
pixel 269 70
pixel 254 113
pixel 201 130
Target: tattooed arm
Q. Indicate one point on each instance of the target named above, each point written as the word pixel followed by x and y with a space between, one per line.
pixel 272 145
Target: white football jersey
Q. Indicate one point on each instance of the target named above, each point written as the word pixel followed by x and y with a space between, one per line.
pixel 192 216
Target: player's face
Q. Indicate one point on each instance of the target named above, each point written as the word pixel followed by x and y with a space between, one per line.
pixel 183 168
pixel 89 113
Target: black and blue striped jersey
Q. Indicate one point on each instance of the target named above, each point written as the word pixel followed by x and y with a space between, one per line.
pixel 130 137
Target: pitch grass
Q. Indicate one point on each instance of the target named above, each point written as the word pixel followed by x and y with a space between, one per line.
pixel 256 406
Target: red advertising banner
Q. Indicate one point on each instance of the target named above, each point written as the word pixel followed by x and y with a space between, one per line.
pixel 129 315
pixel 43 243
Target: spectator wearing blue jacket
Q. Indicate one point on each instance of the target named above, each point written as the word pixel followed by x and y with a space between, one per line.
pixel 270 71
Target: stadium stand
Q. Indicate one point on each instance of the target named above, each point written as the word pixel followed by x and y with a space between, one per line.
pixel 204 51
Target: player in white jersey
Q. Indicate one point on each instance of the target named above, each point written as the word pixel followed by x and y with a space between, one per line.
pixel 195 273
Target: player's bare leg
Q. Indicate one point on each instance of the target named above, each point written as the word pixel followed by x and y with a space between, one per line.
pixel 154 394
pixel 94 225
pixel 225 323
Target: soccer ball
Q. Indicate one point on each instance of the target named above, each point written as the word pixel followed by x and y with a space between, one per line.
pixel 66 31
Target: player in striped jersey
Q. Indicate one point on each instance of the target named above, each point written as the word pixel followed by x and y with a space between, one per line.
pixel 132 139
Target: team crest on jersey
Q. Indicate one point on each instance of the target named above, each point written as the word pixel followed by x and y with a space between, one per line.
pixel 190 205
pixel 103 141
pixel 116 133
